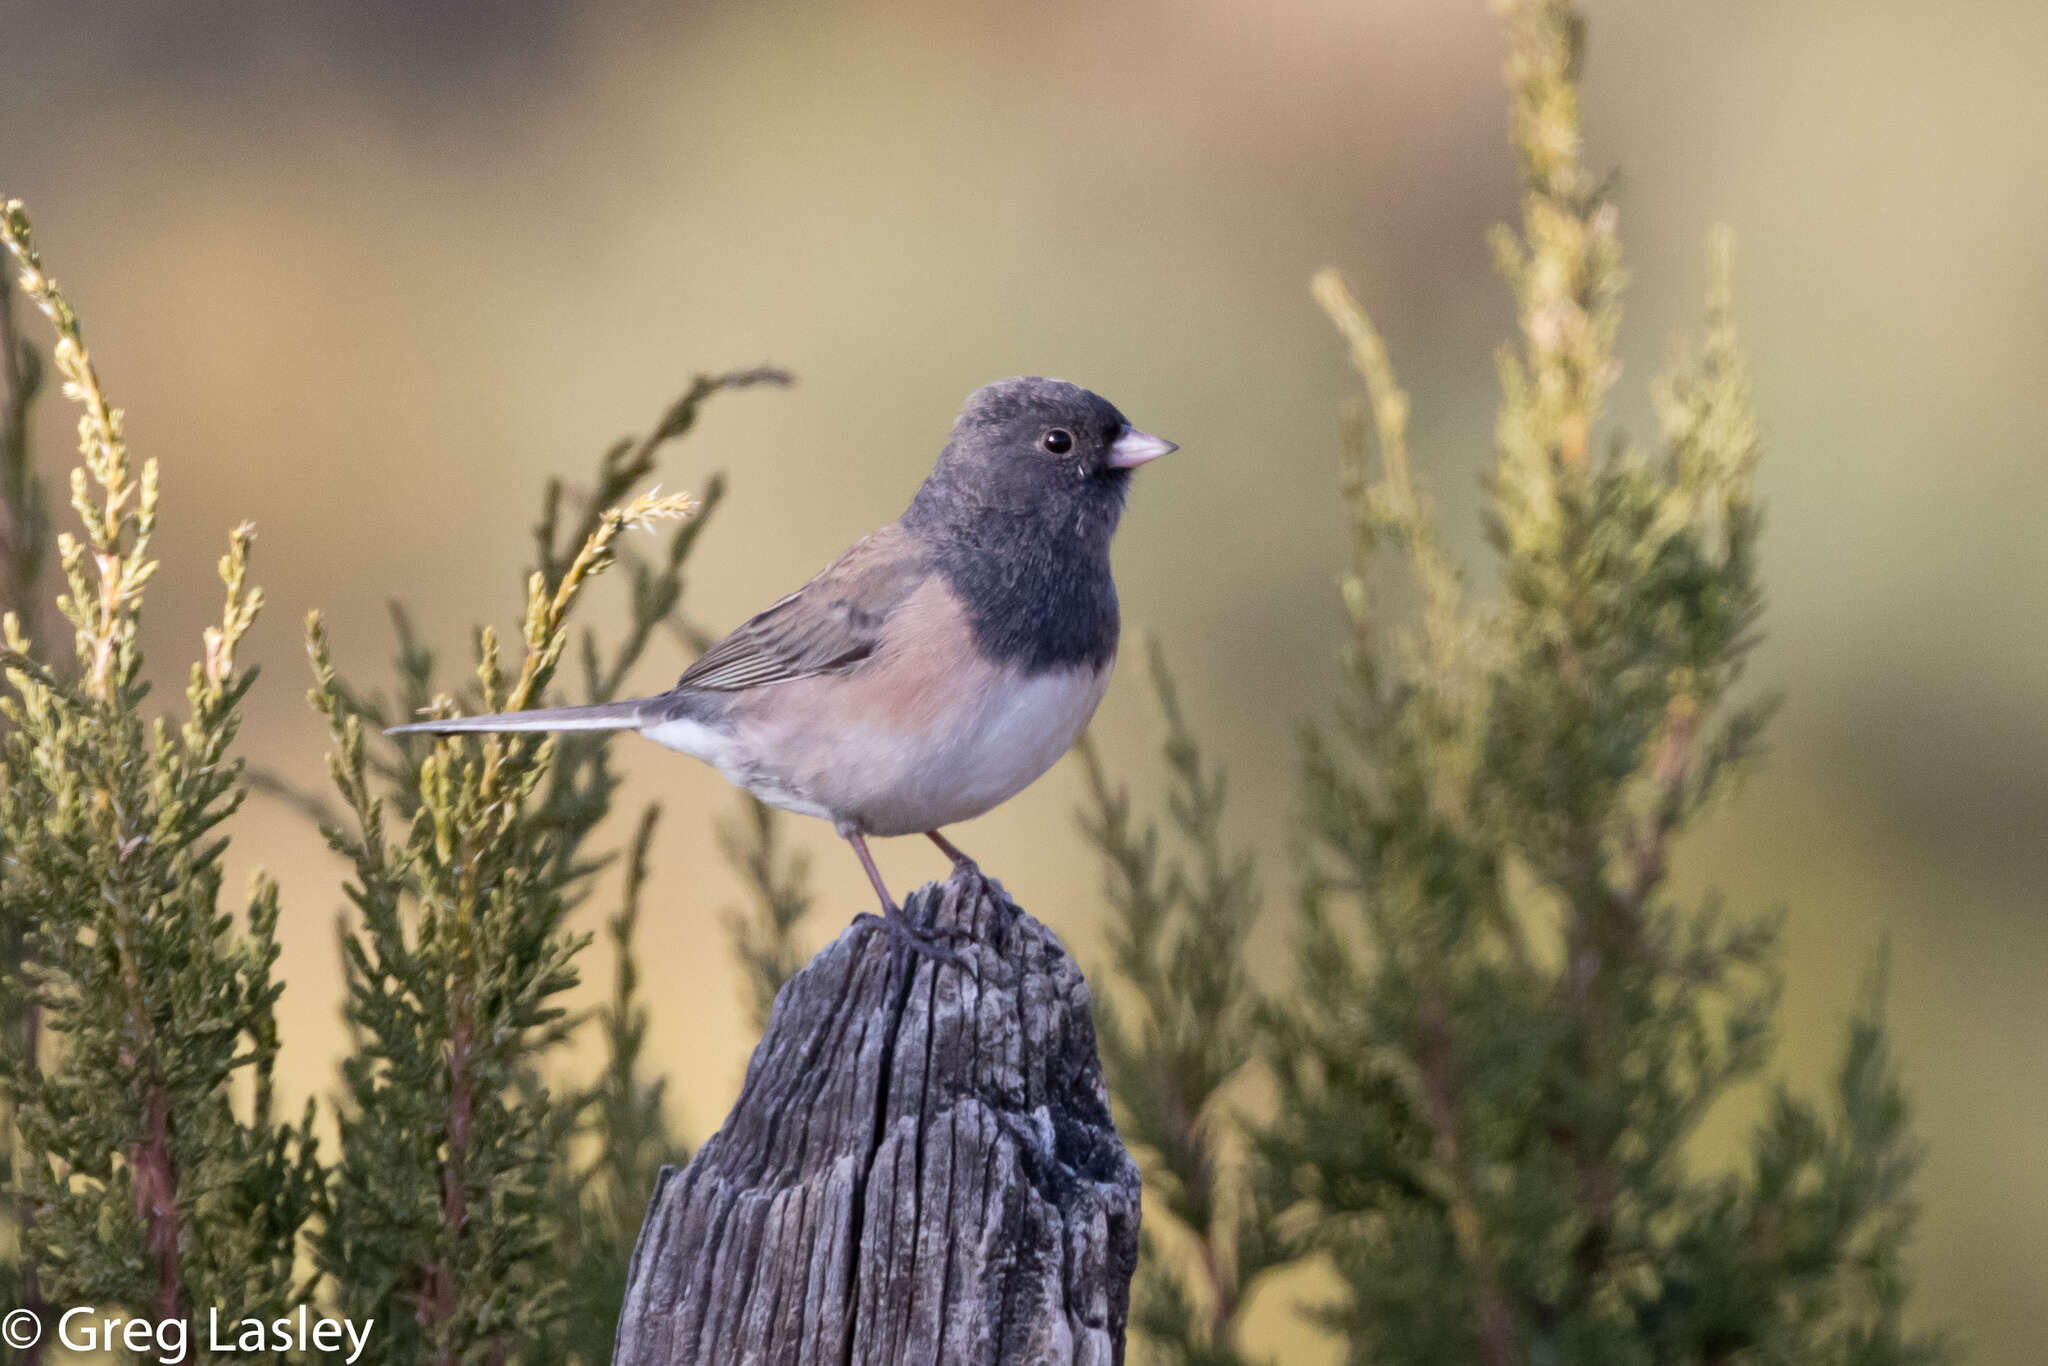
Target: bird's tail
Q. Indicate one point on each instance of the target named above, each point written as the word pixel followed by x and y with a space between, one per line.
pixel 601 716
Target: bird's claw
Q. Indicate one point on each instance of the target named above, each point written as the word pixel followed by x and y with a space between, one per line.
pixel 906 938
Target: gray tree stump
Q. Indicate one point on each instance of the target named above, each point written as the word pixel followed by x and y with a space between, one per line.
pixel 920 1168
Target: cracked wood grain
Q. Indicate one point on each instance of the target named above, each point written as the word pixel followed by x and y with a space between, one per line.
pixel 920 1169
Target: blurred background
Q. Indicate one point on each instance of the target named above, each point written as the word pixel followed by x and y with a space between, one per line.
pixel 368 273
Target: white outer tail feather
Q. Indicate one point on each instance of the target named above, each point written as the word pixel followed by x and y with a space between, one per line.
pixel 602 716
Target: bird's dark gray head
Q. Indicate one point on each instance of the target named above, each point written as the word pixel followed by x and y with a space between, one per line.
pixel 1040 450
pixel 1018 515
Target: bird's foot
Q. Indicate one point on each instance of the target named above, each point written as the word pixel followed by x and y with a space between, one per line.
pixel 961 863
pixel 906 939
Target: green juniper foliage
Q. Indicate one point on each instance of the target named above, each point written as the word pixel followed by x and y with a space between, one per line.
pixel 156 1183
pixel 618 1119
pixel 1505 1028
pixel 24 553
pixel 472 1212
pixel 452 1198
pixel 1175 1037
pixel 1502 1029
pixel 24 505
pixel 621 1121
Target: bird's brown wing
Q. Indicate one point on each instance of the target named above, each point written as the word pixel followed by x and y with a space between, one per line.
pixel 829 625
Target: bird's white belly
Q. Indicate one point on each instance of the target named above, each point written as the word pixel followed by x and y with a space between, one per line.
pixel 987 749
pixel 884 772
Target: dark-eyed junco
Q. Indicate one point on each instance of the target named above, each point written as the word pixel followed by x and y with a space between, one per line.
pixel 940 665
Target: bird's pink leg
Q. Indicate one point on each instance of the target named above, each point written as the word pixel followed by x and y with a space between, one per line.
pixel 867 861
pixel 901 932
pixel 950 849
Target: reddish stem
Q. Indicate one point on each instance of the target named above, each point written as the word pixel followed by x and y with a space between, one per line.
pixel 440 1293
pixel 156 1197
pixel 1496 1324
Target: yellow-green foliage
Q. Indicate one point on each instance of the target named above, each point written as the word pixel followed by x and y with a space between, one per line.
pixel 456 1197
pixel 441 1195
pixel 1176 1037
pixel 456 1213
pixel 1507 1028
pixel 1501 1028
pixel 146 1183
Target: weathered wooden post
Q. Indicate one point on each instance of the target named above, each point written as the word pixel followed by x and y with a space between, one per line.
pixel 920 1168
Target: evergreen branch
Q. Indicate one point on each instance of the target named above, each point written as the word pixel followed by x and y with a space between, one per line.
pixel 119 518
pixel 478 819
pixel 1177 936
pixel 147 1187
pixel 581 783
pixel 656 593
pixel 629 461
pixel 24 503
pixel 1565 270
pixel 1444 672
pixel 547 607
pixel 764 937
pixel 308 803
pixel 1488 1078
pixel 1443 1108
pixel 624 1113
pixel 461 953
pixel 1393 504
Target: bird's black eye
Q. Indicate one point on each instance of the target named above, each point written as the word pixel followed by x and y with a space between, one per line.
pixel 1059 441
